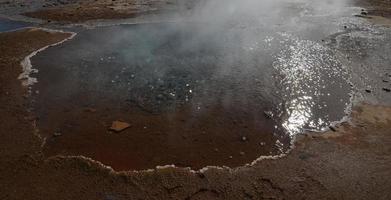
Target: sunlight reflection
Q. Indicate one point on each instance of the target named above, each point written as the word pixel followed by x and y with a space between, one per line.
pixel 299 112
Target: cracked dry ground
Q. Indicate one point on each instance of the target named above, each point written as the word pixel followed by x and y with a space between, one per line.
pixel 351 163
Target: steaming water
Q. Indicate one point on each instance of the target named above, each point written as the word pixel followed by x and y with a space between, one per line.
pixel 221 80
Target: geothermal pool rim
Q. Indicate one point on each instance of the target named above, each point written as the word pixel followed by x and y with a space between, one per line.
pixel 27 81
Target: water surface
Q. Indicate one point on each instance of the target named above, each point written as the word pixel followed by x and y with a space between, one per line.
pixel 9 25
pixel 194 95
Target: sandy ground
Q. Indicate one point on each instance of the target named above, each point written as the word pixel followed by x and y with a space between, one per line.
pixel 351 163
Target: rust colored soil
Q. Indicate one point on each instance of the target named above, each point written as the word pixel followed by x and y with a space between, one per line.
pixel 81 13
pixel 98 9
pixel 351 163
pixel 107 9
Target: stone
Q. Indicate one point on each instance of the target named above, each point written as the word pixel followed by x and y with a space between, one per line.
pixel 118 126
pixel 268 114
pixel 57 134
pixel 333 128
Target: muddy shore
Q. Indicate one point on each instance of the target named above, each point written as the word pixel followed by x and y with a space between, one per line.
pixel 352 162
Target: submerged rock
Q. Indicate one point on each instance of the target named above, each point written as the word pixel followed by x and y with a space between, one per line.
pixel 268 114
pixel 118 126
pixel 57 134
pixel 332 128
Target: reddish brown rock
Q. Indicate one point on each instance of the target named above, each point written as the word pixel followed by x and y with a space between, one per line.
pixel 118 126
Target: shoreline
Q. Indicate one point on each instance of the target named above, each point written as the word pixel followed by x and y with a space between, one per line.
pixel 28 69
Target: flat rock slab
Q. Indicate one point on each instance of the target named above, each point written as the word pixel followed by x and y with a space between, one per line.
pixel 118 126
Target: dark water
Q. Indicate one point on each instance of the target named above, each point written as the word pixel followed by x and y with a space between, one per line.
pixel 194 95
pixel 8 25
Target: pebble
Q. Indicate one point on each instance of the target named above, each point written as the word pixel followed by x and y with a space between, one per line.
pixel 368 91
pixel 387 89
pixel 57 134
pixel 244 139
pixel 268 114
pixel 242 153
pixel 333 128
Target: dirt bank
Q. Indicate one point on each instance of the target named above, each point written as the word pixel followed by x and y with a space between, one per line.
pixel 376 7
pixel 351 163
pixel 82 11
pixel 76 11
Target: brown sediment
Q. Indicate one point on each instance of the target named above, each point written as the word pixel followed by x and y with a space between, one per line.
pixel 216 137
pixel 375 7
pixel 351 163
pixel 81 13
pixel 376 11
pixel 92 10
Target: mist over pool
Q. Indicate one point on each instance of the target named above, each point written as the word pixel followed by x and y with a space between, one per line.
pixel 221 86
